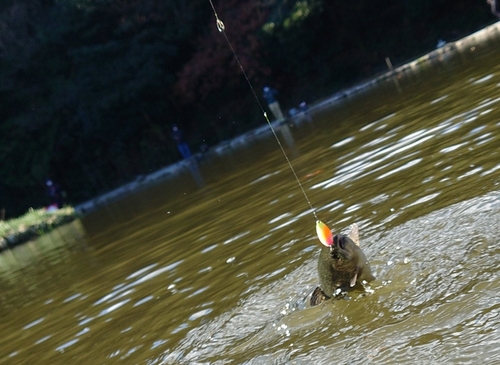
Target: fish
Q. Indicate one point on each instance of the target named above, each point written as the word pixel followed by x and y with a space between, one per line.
pixel 341 263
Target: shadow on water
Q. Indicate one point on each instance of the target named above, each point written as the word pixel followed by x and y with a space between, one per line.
pixel 216 265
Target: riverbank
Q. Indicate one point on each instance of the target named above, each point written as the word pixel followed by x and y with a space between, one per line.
pixel 33 224
pixel 37 222
pixel 466 44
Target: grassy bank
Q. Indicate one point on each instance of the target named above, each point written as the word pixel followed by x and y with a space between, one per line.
pixel 32 225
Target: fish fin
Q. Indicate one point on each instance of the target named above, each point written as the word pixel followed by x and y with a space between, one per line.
pixel 318 296
pixel 354 234
pixel 354 278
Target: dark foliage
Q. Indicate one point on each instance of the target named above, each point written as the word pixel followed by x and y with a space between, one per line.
pixel 89 89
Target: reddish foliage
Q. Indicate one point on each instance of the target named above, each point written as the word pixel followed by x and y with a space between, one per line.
pixel 213 64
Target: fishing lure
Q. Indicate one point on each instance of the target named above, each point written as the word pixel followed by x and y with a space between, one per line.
pixel 324 233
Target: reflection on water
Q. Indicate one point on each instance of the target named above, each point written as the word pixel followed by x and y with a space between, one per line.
pixel 215 267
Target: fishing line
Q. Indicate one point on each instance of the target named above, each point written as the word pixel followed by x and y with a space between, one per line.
pixel 222 29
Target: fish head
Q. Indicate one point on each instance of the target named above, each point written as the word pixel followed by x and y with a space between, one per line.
pixel 343 248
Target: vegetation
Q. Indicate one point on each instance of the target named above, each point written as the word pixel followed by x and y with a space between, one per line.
pixel 89 89
pixel 32 224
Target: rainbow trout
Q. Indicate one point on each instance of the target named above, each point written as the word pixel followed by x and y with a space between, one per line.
pixel 341 265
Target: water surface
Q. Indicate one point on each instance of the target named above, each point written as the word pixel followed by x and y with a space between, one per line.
pixel 218 271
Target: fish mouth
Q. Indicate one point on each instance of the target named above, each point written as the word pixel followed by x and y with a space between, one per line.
pixel 339 241
pixel 338 248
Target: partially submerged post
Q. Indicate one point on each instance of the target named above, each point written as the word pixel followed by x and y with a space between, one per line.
pixel 395 77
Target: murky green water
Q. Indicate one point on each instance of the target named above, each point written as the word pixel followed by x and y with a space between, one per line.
pixel 219 274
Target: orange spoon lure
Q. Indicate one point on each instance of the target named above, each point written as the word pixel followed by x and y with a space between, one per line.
pixel 324 234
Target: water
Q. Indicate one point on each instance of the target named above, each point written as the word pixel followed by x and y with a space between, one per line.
pixel 218 271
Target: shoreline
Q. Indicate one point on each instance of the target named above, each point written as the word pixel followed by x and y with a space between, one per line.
pixel 38 222
pixel 35 223
pixel 437 54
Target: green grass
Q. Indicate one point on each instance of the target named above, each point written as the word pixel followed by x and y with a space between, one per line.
pixel 40 219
